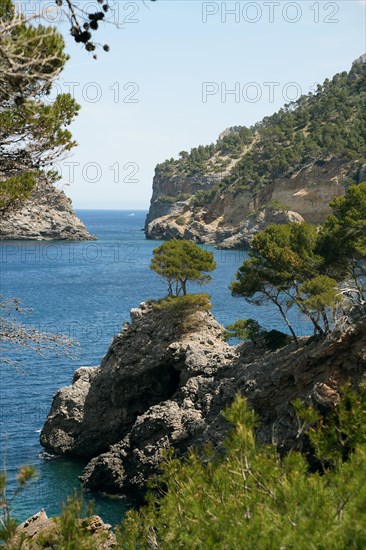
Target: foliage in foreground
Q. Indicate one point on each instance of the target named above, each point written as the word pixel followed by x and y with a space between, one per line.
pixel 248 497
pixel 33 129
pixel 72 530
pixel 251 498
pixel 8 524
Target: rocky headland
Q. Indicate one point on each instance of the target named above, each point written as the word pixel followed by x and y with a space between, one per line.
pixel 234 217
pixel 160 386
pixel 288 167
pixel 47 215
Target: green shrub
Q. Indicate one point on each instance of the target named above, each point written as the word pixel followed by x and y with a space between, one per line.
pixel 171 199
pixel 181 220
pixel 244 329
pixel 250 329
pixel 251 498
pixel 179 310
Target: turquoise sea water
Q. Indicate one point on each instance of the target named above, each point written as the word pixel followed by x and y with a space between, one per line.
pixel 83 290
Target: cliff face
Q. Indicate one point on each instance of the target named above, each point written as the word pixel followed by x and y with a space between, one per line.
pixel 233 218
pixel 286 168
pixel 158 387
pixel 47 215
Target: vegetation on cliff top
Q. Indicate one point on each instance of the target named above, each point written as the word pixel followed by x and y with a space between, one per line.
pixel 316 127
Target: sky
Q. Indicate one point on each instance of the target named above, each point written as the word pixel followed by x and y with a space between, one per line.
pixel 181 71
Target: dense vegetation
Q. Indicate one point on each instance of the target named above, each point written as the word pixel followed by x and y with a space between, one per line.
pixel 329 123
pixel 252 498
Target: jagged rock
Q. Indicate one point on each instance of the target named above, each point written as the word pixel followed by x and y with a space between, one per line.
pixel 36 531
pixel 46 215
pixel 253 225
pixel 158 387
pixel 103 403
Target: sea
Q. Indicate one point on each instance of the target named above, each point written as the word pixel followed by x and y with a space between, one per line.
pixel 84 290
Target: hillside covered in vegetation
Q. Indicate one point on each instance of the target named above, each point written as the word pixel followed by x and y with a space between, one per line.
pixel 286 167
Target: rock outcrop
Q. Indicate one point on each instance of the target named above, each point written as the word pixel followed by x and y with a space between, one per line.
pixel 40 531
pixel 47 215
pixel 159 387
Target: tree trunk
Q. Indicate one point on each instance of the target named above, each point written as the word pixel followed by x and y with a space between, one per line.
pixel 287 322
pixel 325 321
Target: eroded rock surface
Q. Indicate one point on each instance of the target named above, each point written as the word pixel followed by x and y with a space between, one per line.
pixel 158 388
pixel 39 530
pixel 47 215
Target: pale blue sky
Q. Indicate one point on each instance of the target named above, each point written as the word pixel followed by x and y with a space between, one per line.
pixel 169 52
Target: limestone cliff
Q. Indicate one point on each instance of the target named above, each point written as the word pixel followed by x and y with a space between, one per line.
pixel 286 168
pixel 47 215
pixel 159 387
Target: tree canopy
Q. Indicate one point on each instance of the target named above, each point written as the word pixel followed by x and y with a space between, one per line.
pixel 180 262
pixel 343 240
pixel 33 129
pixel 312 268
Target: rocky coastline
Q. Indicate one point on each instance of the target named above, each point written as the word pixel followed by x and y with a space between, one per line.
pixel 158 387
pixel 47 215
pixel 278 170
pixel 231 220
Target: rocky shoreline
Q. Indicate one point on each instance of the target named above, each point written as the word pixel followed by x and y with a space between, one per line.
pixel 47 215
pixel 158 387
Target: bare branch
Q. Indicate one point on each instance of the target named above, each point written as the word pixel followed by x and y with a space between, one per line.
pixel 19 336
